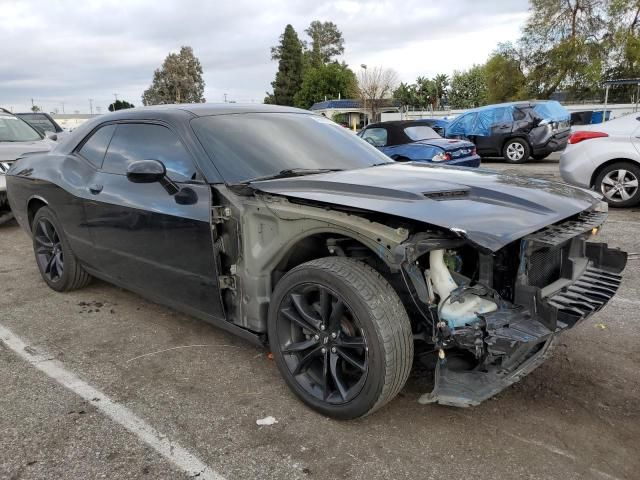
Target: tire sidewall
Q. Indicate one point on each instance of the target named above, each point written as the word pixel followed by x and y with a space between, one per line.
pixel 68 257
pixel 520 141
pixel 616 166
pixel 374 382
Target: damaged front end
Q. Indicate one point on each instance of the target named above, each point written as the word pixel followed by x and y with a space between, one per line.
pixel 494 320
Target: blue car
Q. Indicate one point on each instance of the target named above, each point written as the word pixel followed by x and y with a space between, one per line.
pixel 415 140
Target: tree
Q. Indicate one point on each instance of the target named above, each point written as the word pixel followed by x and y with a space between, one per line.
pixel 406 95
pixel 120 105
pixel 505 79
pixel 468 89
pixel 289 76
pixel 35 108
pixel 375 85
pixel 563 41
pixel 326 43
pixel 623 46
pixel 178 80
pixel 332 80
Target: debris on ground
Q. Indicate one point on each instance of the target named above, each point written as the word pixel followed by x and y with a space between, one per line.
pixel 266 421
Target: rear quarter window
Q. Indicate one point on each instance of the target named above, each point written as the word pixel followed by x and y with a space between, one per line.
pixel 95 147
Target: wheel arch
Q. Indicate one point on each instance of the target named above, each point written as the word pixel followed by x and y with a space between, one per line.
pixel 34 204
pixel 323 243
pixel 602 166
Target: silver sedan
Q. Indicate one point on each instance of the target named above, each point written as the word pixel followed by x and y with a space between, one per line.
pixel 606 157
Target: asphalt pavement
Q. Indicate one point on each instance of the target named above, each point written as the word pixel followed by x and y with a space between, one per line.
pixel 108 385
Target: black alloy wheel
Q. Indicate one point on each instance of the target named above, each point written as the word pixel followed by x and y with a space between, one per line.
pixel 340 336
pixel 49 254
pixel 56 261
pixel 322 343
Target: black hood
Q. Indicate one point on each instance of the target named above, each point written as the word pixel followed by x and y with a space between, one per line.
pixel 489 208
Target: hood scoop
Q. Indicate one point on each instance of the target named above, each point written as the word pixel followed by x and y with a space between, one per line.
pixel 447 195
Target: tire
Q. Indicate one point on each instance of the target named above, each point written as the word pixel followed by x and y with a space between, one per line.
pixel 619 183
pixel 516 150
pixel 5 212
pixel 373 331
pixel 540 156
pixel 58 265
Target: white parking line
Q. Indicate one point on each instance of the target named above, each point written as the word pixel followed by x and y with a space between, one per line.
pixel 177 455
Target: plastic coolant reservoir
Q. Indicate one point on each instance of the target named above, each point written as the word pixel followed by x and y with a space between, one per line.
pixel 457 314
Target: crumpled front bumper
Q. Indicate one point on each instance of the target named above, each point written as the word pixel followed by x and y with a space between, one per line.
pixel 519 340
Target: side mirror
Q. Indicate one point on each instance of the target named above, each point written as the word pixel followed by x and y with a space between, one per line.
pixel 146 171
pixel 51 135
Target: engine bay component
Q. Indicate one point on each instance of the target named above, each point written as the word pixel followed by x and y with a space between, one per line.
pixel 456 309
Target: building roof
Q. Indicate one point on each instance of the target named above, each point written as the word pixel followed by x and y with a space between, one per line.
pixel 350 103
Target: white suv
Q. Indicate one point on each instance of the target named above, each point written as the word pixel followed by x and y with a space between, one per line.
pixel 17 138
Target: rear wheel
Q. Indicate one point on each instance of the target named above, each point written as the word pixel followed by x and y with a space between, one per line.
pixel 618 183
pixel 340 336
pixel 57 263
pixel 516 150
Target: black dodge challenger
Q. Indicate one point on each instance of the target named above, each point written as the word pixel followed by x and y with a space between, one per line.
pixel 287 230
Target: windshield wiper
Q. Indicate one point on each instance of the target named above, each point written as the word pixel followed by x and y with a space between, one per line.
pixel 292 172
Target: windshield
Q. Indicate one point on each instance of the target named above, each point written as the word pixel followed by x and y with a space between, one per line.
pixel 250 145
pixel 13 129
pixel 421 132
pixel 40 121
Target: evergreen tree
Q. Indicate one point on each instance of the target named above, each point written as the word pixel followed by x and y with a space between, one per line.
pixel 179 80
pixel 289 76
pixel 120 105
pixel 326 43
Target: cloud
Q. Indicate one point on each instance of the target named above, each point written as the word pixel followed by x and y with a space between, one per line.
pixel 66 51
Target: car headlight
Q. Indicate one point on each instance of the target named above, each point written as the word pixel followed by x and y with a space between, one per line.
pixel 441 157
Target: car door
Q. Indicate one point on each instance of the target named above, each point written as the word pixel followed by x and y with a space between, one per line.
pixel 501 124
pixel 146 239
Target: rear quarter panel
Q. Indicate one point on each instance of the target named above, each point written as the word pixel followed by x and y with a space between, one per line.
pixel 59 181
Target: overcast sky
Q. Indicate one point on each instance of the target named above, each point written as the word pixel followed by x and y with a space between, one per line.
pixel 59 51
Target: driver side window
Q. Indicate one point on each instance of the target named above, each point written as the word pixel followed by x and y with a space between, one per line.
pixel 376 136
pixel 140 141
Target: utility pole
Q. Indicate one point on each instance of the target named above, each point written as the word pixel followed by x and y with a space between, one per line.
pixel 225 98
pixel 91 106
pixel 62 107
pixel 32 104
pixel 364 96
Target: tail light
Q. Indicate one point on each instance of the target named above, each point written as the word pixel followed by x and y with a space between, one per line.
pixel 577 137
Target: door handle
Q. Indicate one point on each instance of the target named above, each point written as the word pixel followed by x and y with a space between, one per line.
pixel 95 188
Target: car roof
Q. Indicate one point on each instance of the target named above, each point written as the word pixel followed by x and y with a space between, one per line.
pixel 395 130
pixel 404 123
pixel 202 110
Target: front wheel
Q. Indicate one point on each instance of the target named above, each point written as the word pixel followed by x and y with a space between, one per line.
pixel 340 336
pixel 618 183
pixel 516 151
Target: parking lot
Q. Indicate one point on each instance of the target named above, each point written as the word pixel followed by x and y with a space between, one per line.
pixel 198 392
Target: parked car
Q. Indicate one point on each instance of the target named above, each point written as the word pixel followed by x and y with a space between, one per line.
pixel 16 138
pixel 43 122
pixel 303 237
pixel 438 124
pixel 589 117
pixel 606 157
pixel 515 131
pixel 415 140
